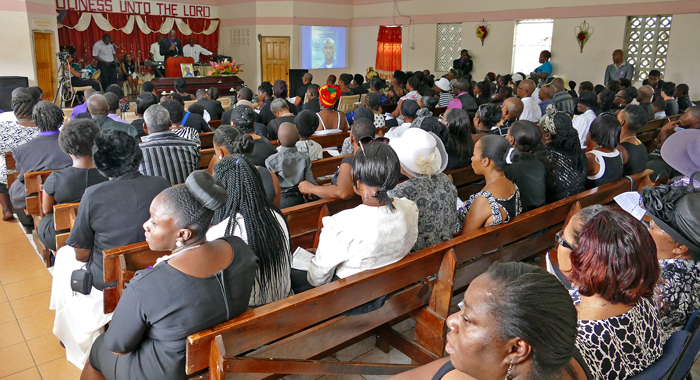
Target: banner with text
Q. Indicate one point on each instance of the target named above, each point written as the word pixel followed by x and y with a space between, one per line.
pixel 154 8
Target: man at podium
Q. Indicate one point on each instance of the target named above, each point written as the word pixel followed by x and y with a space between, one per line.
pixel 170 46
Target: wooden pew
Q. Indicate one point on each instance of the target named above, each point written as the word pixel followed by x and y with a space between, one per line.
pixel 333 140
pixel 205 156
pixel 308 325
pixel 388 108
pixel 206 139
pixel 214 124
pixel 648 133
pixel 11 165
pixel 439 110
pixel 325 167
pixel 64 216
pixel 33 186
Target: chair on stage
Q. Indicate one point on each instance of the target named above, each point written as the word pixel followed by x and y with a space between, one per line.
pixel 172 66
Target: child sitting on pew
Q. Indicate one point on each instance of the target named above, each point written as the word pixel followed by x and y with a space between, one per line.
pixel 659 108
pixel 290 165
pixel 307 123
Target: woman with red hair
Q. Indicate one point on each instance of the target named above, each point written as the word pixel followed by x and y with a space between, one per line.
pixel 610 259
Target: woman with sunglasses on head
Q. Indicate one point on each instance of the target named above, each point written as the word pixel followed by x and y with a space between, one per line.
pixel 423 158
pixel 499 200
pixel 610 260
pixel 517 322
pixel 604 161
pixel 486 118
pixel 460 145
pixel 379 232
pixel 562 157
pixel 675 228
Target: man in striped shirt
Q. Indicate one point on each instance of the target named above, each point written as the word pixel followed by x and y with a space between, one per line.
pixel 165 154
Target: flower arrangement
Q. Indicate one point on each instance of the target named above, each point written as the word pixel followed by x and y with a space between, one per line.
pixel 583 33
pixel 225 68
pixel 482 31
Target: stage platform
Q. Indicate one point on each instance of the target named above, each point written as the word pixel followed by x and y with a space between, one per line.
pixel 226 85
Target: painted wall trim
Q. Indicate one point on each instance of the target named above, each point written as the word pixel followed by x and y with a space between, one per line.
pixel 661 7
pixel 236 22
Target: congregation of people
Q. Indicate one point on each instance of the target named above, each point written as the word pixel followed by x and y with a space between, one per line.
pixel 621 288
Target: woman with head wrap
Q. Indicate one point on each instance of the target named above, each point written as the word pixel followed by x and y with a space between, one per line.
pixel 329 118
pixel 675 228
pixel 196 285
pixel 564 160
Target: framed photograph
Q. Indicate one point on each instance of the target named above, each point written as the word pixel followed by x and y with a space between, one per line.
pixel 187 70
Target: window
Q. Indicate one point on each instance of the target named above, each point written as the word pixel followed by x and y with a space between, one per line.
pixel 531 37
pixel 646 44
pixel 449 45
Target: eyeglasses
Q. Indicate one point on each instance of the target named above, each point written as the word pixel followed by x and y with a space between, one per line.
pixel 368 139
pixel 559 238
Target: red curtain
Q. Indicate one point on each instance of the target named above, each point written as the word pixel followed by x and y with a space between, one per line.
pixel 388 51
pixel 137 43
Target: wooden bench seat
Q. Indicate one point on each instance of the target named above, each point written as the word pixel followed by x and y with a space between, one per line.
pixel 206 139
pixel 64 216
pixel 11 165
pixel 648 133
pixel 298 328
pixel 421 284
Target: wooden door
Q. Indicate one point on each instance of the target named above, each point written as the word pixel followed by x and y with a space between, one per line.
pixel 45 58
pixel 274 58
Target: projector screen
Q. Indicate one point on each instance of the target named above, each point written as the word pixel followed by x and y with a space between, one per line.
pixel 322 47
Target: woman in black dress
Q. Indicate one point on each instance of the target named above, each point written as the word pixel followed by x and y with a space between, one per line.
pixel 563 159
pixel 604 161
pixel 110 216
pixel 68 185
pixel 198 286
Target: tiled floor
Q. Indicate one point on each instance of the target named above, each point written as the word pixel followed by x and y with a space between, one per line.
pixel 30 351
pixel 28 348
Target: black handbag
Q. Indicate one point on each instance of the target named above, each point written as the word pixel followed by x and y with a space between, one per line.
pixel 81 279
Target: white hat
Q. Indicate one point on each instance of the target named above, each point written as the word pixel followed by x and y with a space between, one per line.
pixel 443 84
pixel 517 77
pixel 420 152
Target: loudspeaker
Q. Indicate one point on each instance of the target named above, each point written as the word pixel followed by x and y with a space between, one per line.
pixel 7 84
pixel 295 77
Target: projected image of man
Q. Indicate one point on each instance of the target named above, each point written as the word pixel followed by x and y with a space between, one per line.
pixel 328 53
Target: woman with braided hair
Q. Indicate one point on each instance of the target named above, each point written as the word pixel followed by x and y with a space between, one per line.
pixel 249 215
pixel 675 228
pixel 564 161
pixel 13 134
pixel 42 153
pixel 227 141
pixel 380 231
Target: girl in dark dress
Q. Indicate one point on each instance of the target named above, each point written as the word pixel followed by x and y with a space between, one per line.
pixel 460 145
pixel 527 173
pixel 604 161
pixel 633 152
pixel 198 286
pixel 68 185
pixel 128 68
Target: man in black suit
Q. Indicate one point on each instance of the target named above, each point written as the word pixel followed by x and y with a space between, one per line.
pixel 464 63
pixel 213 107
pixel 171 46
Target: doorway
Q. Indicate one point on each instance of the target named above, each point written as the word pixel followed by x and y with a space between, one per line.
pixel 274 57
pixel 45 58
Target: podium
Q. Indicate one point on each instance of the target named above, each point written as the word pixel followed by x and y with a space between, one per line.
pixel 172 66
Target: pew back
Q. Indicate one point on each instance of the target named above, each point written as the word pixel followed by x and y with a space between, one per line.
pixel 206 139
pixel 11 165
pixel 308 324
pixel 64 216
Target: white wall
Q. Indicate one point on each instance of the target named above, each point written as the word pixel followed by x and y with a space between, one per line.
pixel 683 64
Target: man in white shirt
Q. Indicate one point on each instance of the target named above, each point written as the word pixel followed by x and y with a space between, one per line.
pixel 156 56
pixel 409 109
pixel 587 102
pixel 531 110
pixel 103 51
pixel 194 50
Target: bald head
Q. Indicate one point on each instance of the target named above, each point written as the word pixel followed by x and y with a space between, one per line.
pixel 528 86
pixel 89 92
pixel 512 108
pixel 645 94
pixel 288 134
pixel 97 105
pixel 547 92
pixel 558 83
